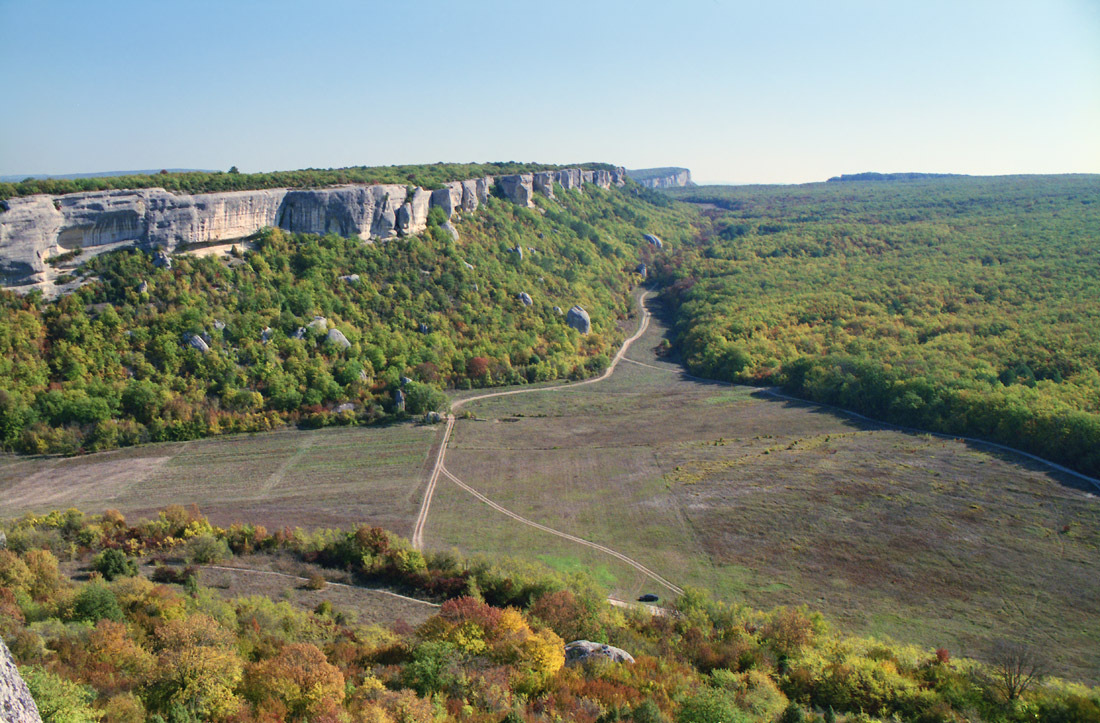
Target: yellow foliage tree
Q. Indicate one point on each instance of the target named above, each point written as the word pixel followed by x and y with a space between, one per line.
pixel 300 678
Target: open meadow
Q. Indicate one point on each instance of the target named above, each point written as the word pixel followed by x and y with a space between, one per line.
pixel 772 502
pixel 759 500
pixel 336 477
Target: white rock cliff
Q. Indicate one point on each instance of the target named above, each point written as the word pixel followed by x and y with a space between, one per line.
pixel 34 229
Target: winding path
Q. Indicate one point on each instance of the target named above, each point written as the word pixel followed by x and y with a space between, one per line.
pixel 440 469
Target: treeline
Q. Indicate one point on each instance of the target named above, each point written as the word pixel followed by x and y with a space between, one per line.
pixel 425 176
pixel 215 345
pixel 98 638
pixel 961 305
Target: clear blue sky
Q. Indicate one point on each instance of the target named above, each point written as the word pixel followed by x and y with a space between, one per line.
pixel 737 91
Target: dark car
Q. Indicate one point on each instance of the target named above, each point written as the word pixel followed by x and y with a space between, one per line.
pixel 648 597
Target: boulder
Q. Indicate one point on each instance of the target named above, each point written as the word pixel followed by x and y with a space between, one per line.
pixel 162 260
pixel 266 334
pixel 423 329
pixel 641 269
pixel 399 400
pixel 196 342
pixel 143 287
pixel 350 278
pixel 319 323
pixel 525 298
pixel 405 381
pixel 433 418
pixel 300 333
pixel 518 251
pixel 468 265
pixel 450 228
pixel 337 338
pixel 219 325
pixel 578 319
pixel 345 407
pixel 558 311
pixel 16 703
pixel 653 240
pixel 579 652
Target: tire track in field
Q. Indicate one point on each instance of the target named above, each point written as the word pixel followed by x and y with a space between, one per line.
pixel 439 468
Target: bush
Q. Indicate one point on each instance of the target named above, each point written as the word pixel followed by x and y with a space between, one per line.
pixel 114 563
pixel 96 602
pixel 207 549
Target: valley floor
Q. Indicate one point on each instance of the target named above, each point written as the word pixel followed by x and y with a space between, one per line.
pixel 760 500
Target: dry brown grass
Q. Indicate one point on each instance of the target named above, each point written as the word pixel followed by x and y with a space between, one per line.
pixel 331 477
pixel 772 502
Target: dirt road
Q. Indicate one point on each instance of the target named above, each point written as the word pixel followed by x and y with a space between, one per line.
pixel 440 469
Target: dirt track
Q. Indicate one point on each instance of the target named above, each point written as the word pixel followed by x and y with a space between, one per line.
pixel 439 467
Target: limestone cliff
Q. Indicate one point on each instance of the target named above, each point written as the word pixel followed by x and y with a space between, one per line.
pixel 34 229
pixel 16 704
pixel 670 177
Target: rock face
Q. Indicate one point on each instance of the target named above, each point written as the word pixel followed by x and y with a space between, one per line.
pixel 518 189
pixel 578 319
pixel 661 177
pixel 583 651
pixel 16 704
pixel 544 183
pixel 36 228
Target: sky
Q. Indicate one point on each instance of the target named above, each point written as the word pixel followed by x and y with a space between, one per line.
pixel 744 92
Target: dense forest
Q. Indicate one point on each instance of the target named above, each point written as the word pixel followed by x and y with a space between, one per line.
pixel 962 305
pixel 212 345
pixel 430 177
pixel 97 637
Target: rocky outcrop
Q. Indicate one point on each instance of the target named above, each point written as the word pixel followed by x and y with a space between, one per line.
pixel 544 183
pixel 578 319
pixel 653 240
pixel 671 177
pixel 16 703
pixel 579 652
pixel 518 189
pixel 337 339
pixel 197 342
pixel 34 229
pixel 525 298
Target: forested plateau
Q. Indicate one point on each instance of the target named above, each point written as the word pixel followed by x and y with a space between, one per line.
pixel 963 305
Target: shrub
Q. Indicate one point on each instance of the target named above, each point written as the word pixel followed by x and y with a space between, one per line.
pixel 96 602
pixel 114 563
pixel 206 549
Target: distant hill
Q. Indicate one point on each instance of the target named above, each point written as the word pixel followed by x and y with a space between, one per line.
pixel 869 176
pixel 16 178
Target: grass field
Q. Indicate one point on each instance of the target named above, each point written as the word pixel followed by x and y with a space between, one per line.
pixel 330 477
pixel 760 500
pixel 773 502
